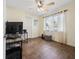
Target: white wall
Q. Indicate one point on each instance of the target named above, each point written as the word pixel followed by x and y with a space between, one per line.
pixel 13 14
pixel 41 25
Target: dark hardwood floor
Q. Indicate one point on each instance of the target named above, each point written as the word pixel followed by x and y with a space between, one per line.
pixel 41 49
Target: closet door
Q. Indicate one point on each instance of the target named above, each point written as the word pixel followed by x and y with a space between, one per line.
pixel 35 28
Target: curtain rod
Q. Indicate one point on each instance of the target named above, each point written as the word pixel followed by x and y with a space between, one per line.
pixel 56 13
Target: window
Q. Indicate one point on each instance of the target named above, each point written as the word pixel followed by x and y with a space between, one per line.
pixel 54 23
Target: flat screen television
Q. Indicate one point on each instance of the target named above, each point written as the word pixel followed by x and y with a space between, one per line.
pixel 13 27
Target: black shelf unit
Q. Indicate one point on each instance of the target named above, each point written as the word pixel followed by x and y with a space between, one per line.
pixel 13 53
pixel 14 49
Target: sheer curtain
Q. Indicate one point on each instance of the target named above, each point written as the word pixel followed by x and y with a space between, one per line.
pixel 55 22
pixel 48 23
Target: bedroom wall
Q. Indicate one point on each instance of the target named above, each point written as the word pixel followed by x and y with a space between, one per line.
pixel 13 14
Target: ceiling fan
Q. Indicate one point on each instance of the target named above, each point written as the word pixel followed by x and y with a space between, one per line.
pixel 42 6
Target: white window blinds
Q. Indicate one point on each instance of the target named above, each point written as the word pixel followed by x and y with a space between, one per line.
pixel 54 23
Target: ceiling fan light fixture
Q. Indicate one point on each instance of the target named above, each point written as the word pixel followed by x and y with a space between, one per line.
pixel 39 3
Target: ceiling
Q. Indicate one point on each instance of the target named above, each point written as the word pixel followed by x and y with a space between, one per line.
pixel 31 6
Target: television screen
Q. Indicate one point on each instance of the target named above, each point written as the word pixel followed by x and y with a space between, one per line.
pixel 13 27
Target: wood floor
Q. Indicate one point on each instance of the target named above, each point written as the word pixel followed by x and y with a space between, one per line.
pixel 41 49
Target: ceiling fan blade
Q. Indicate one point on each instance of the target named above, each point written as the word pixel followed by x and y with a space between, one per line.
pixel 48 5
pixel 52 3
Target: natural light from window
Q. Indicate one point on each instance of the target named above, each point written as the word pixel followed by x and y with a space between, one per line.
pixel 55 22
